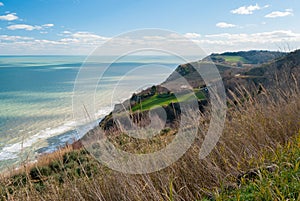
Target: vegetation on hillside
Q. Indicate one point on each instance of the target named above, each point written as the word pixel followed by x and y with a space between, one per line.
pixel 280 183
pixel 165 99
pixel 245 57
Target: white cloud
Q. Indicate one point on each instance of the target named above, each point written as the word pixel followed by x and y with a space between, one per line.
pixel 225 25
pixel 28 27
pixel 24 27
pixel 1 4
pixel 88 38
pixel 84 39
pixel 87 35
pixel 66 32
pixel 192 35
pixel 247 10
pixel 14 38
pixel 153 37
pixel 85 42
pixel 9 17
pixel 275 14
pixel 48 25
pixel 67 40
pixel 272 40
pixel 257 38
pixel 45 42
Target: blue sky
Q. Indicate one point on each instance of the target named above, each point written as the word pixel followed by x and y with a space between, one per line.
pixel 78 26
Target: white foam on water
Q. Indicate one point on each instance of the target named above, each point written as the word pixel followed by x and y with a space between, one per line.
pixel 63 68
pixel 4 155
pixel 104 111
pixel 12 151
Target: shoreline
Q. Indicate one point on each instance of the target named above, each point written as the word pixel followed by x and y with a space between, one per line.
pixel 54 139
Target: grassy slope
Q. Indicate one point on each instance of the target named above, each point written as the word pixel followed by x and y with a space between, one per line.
pixel 248 57
pixel 282 184
pixel 234 59
pixel 165 99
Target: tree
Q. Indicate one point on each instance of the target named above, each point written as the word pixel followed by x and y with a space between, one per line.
pixel 239 64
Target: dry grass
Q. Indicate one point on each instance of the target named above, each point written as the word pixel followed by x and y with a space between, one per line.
pixel 253 125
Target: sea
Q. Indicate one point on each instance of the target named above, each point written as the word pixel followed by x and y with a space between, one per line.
pixel 36 105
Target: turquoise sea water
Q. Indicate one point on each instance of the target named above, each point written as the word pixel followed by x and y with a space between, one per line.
pixel 36 99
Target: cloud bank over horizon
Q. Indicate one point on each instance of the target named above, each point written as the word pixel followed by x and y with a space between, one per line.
pixel 83 43
pixel 235 27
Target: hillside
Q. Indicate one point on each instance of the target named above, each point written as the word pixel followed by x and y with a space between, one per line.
pixel 259 67
pixel 283 72
pixel 227 65
pixel 245 58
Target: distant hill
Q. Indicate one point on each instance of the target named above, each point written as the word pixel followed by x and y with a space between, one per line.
pixel 259 67
pixel 228 64
pixel 282 72
pixel 245 58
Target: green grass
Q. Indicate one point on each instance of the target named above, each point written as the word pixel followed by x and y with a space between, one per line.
pixel 282 184
pixel 166 99
pixel 234 59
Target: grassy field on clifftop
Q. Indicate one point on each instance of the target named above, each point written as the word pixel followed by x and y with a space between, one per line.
pixel 166 99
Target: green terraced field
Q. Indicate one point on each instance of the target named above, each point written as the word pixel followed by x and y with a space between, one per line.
pixel 166 99
pixel 234 59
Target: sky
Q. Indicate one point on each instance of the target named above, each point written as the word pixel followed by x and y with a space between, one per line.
pixel 77 27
